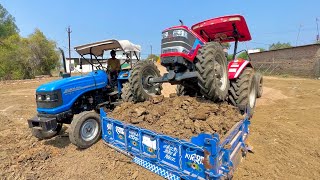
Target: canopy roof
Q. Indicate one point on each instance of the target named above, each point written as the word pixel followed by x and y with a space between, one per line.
pixel 98 48
pixel 221 28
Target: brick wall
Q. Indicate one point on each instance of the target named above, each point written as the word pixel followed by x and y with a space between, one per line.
pixel 302 61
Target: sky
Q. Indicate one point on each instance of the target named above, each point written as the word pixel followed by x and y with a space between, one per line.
pixel 142 21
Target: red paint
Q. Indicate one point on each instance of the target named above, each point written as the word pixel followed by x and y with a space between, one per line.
pixel 189 57
pixel 242 64
pixel 223 25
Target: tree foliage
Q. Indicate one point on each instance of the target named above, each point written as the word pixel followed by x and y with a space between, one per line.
pixel 226 45
pixel 153 57
pixel 243 55
pixel 279 45
pixel 7 24
pixel 22 58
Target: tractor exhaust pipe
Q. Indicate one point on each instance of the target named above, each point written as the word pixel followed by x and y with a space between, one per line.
pixel 64 74
pixel 63 60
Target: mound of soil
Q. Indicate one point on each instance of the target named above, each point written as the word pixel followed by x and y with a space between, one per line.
pixel 181 117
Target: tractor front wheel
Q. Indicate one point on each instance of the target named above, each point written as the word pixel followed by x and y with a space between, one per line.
pixel 141 89
pixel 85 129
pixel 41 134
pixel 213 72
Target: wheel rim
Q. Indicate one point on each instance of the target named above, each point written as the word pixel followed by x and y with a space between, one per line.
pixel 89 130
pixel 260 85
pixel 252 95
pixel 151 89
pixel 220 74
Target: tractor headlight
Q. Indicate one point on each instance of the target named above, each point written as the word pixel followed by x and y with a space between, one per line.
pixel 165 35
pixel 48 97
pixel 39 97
pixel 180 33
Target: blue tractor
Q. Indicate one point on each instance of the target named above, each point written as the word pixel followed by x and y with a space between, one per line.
pixel 76 100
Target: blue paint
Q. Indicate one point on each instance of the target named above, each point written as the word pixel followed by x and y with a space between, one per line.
pixel 72 88
pixel 204 157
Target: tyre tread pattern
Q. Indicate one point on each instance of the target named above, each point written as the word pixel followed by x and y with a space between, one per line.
pixel 205 68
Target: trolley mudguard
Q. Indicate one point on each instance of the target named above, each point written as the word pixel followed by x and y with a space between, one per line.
pixel 206 156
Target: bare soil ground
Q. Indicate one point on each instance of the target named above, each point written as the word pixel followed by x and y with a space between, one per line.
pixel 284 133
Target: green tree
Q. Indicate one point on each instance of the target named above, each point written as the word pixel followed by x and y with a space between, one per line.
pixel 279 45
pixel 229 57
pixel 13 56
pixel 44 56
pixel 153 57
pixel 7 24
pixel 243 55
pixel 22 58
pixel 226 45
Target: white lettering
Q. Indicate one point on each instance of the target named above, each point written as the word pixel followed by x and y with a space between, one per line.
pixel 167 156
pixel 195 158
pixel 109 126
pixel 133 135
pixel 119 130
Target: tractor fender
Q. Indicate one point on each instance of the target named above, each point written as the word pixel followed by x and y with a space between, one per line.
pixel 236 67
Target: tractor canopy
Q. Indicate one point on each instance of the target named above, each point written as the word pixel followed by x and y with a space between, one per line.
pixel 98 48
pixel 223 29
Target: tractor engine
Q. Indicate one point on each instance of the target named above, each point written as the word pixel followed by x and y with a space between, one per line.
pixel 178 45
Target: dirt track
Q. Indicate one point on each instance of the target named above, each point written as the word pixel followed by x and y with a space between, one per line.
pixel 284 133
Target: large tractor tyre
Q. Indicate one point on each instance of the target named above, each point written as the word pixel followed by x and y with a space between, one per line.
pixel 212 68
pixel 182 90
pixel 85 129
pixel 259 85
pixel 126 94
pixel 242 91
pixel 141 89
pixel 41 134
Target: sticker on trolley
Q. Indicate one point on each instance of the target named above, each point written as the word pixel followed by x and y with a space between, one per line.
pixel 133 137
pixel 109 128
pixel 120 133
pixel 150 143
pixel 195 161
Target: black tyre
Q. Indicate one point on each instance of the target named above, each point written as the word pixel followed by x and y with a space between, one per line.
pixel 182 90
pixel 85 129
pixel 126 94
pixel 242 91
pixel 259 85
pixel 141 89
pixel 40 134
pixel 213 71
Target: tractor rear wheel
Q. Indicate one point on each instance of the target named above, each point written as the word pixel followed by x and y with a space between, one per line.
pixel 126 94
pixel 141 89
pixel 213 71
pixel 242 91
pixel 85 129
pixel 41 134
pixel 259 84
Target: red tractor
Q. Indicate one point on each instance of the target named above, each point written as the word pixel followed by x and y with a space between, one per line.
pixel 197 64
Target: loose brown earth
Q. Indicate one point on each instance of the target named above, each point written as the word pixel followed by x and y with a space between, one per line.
pixel 180 117
pixel 284 133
